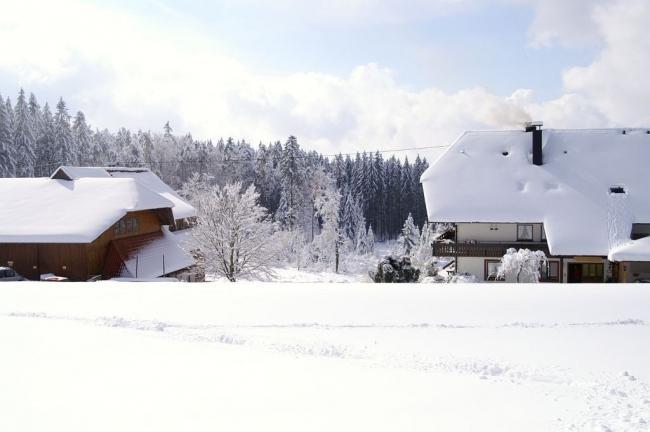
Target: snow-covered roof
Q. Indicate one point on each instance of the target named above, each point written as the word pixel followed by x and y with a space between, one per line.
pixel 489 176
pixel 634 250
pixel 73 173
pixel 44 210
pixel 181 209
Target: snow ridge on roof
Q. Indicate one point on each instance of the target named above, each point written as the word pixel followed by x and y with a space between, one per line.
pixel 488 176
pixel 44 210
pixel 181 209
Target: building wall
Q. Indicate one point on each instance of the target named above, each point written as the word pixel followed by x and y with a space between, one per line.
pixel 22 257
pixel 486 232
pixel 472 265
pixel 77 261
pixel 637 270
pixel 32 260
pixel 476 266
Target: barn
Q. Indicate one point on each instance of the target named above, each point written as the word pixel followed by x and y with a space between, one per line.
pixel 84 227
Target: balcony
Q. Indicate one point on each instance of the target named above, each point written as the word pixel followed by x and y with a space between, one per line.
pixel 491 249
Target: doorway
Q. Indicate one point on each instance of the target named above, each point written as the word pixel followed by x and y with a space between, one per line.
pixel 585 272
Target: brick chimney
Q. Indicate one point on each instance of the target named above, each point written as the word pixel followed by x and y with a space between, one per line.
pixel 536 129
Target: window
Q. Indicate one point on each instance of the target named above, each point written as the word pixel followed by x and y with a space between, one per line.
pixel 552 272
pixel 543 233
pixel 128 225
pixel 491 269
pixel 524 232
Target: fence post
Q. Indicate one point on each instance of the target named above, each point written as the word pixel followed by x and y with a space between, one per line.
pixel 137 260
pixel 163 265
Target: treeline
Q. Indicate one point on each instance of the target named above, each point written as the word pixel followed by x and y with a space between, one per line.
pixel 35 140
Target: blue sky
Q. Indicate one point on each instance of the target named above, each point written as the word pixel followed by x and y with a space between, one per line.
pixel 340 74
pixel 484 45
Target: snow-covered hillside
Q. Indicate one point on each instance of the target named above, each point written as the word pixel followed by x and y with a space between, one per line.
pixel 132 357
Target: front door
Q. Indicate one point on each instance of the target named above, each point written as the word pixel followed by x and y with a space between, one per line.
pixel 585 272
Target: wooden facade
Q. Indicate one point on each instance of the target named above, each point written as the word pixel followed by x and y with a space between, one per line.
pixel 480 249
pixel 80 261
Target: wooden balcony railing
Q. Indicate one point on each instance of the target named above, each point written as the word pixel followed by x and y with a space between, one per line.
pixel 492 250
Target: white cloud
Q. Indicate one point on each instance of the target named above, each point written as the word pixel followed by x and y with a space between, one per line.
pixel 122 71
pixel 565 23
pixel 617 82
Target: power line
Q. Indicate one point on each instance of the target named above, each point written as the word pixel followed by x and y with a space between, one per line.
pixel 230 161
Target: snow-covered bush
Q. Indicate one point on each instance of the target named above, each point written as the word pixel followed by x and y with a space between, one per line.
pixel 521 265
pixel 463 278
pixel 443 277
pixel 396 270
pixel 233 235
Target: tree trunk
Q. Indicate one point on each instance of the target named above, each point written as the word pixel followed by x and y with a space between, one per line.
pixel 336 256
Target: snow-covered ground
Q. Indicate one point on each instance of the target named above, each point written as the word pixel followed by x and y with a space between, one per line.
pixel 250 356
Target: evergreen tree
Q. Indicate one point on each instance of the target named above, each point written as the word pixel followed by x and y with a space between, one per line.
pixel 370 239
pixel 291 177
pixel 82 138
pixel 44 157
pixel 410 236
pixel 352 217
pixel 168 130
pixel 24 141
pixel 62 150
pixel 406 189
pixel 7 162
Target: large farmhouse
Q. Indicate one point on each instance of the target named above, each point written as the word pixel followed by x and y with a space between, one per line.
pixel 581 196
pixel 81 224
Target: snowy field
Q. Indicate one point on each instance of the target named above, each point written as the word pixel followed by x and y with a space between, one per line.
pixel 307 357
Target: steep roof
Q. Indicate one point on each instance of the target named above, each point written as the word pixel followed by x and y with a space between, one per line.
pixel 488 176
pixel 148 255
pixel 44 210
pixel 181 209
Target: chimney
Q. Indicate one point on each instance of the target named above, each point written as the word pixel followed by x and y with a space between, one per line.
pixel 536 129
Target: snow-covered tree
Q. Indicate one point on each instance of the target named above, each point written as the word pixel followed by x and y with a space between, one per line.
pixel 291 176
pixel 63 145
pixel 326 246
pixel 7 161
pixel 45 143
pixel 145 143
pixel 352 217
pixel 362 241
pixel 410 236
pixel 422 252
pixel 370 239
pixel 24 141
pixel 82 139
pixel 521 265
pixel 233 236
